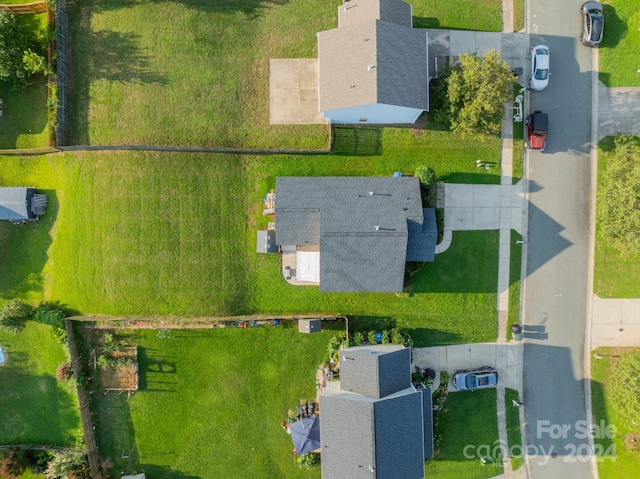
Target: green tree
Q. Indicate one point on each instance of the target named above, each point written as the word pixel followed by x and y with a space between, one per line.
pixel 427 177
pixel 618 208
pixel 14 314
pixel 65 464
pixel 477 92
pixel 16 39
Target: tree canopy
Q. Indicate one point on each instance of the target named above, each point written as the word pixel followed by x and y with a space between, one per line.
pixel 475 94
pixel 16 40
pixel 618 210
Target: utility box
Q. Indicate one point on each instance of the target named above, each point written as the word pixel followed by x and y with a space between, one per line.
pixel 309 326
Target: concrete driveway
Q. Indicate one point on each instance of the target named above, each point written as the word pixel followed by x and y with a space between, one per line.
pixel 505 357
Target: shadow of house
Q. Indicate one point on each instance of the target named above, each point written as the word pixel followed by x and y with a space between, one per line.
pixel 373 421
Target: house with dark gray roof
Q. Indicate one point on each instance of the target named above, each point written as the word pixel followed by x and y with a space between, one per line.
pixel 352 234
pixel 373 422
pixel 21 204
pixel 373 68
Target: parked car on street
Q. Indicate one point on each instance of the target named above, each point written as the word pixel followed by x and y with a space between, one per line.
pixel 485 377
pixel 537 128
pixel 592 23
pixel 539 56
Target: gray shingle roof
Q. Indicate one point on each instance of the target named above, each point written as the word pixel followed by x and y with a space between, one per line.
pixel 399 72
pixel 14 203
pixel 340 214
pixel 423 237
pixel 374 373
pixel 393 11
pixel 364 436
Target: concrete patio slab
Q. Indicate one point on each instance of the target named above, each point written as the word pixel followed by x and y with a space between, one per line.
pixel 293 92
pixel 618 110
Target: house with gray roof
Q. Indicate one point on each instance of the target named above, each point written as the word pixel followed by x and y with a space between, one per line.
pixel 352 234
pixel 373 68
pixel 20 204
pixel 373 422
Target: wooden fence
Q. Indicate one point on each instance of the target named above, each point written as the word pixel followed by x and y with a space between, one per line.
pixel 25 8
pixel 85 409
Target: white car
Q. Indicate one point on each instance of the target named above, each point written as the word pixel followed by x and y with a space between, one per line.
pixel 539 56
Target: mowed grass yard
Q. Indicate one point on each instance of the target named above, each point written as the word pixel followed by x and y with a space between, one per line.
pixel 619 52
pixel 34 407
pixel 614 275
pixel 468 420
pixel 615 461
pixel 211 403
pixel 197 72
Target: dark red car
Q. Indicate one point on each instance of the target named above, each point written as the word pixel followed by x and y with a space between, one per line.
pixel 537 127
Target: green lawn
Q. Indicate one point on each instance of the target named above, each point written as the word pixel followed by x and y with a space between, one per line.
pixel 620 48
pixel 614 276
pixel 515 274
pixel 483 15
pixel 23 123
pixel 34 407
pixel 211 403
pixel 201 78
pixel 518 15
pixel 514 435
pixel 468 420
pixel 615 460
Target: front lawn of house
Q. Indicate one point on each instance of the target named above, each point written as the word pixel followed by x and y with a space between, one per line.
pixel 469 426
pixel 210 403
pixel 34 407
pixel 619 52
pixel 614 275
pixel 615 461
pixel 482 15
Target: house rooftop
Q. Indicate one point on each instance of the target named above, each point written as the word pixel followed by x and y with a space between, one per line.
pixel 366 228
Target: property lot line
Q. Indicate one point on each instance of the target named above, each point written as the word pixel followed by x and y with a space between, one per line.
pixel 194 149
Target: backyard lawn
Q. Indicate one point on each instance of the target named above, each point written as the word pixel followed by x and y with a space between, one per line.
pixel 614 275
pixel 204 414
pixel 619 52
pixel 467 419
pixel 34 408
pixel 617 462
pixel 200 79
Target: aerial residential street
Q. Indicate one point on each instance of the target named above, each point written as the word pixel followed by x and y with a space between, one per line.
pixel 557 256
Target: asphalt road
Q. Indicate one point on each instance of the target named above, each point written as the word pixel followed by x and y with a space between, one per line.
pixel 557 251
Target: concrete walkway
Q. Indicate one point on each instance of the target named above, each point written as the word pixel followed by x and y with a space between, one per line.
pixel 615 322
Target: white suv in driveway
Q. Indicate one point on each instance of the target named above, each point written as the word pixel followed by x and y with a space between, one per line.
pixel 539 56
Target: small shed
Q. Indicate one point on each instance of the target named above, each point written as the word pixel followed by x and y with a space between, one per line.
pixel 21 204
pixel 266 242
pixel 309 326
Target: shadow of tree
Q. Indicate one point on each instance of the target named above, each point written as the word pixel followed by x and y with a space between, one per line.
pixel 24 112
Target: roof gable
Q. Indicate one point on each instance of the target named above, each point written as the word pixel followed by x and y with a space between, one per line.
pixel 375 371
